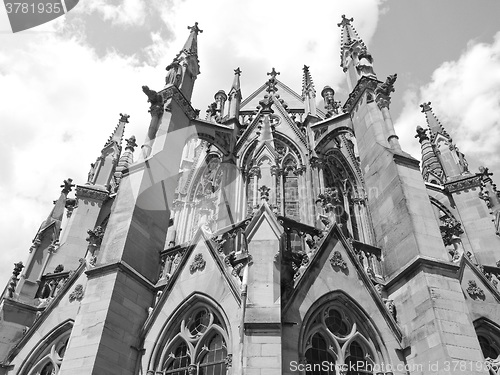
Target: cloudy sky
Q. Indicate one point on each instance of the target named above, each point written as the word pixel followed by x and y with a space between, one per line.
pixel 63 84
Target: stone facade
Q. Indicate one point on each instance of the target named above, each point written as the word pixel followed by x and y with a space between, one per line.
pixel 297 238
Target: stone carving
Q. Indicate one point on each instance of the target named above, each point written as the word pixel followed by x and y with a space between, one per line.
pixel 174 73
pixel 337 261
pixel 192 369
pixel 77 293
pixel 474 291
pixel 59 268
pixel 36 243
pixel 237 262
pixel 450 229
pixel 13 280
pixel 198 263
pixel 464 184
pixel 264 193
pixel 95 238
pixel 67 186
pixel 389 303
pixel 70 205
pixel 229 360
pixel 87 192
pixel 131 143
pixel 156 100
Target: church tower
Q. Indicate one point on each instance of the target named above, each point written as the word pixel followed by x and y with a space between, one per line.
pixel 278 234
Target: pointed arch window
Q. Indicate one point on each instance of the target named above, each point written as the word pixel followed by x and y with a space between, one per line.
pixel 336 340
pixel 342 201
pixel 197 345
pixel 488 335
pixel 205 194
pixel 48 357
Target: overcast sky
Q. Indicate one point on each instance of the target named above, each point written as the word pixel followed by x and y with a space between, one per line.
pixel 63 84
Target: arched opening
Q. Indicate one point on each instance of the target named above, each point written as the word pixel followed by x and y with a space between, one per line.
pixel 337 337
pixel 195 342
pixel 46 358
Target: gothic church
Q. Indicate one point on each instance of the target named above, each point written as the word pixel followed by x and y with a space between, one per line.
pixel 280 234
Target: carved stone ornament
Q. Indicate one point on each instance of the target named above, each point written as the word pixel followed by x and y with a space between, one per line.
pixel 198 263
pixel 77 293
pixel 192 369
pixel 87 192
pixel 337 261
pixel 474 291
pixel 229 360
pixel 14 279
pixel 67 186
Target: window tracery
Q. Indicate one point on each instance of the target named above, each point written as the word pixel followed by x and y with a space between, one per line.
pixel 341 201
pixel 49 361
pixel 197 345
pixel 205 194
pixel 335 336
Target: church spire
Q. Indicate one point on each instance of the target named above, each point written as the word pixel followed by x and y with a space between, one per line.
pixel 348 33
pixel 433 122
pixel 103 169
pixel 185 67
pixel 308 92
pixel 452 160
pixel 431 168
pixel 355 59
pixel 235 95
pixel 191 45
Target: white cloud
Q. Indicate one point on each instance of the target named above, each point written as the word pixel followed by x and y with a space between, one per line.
pixel 60 100
pixel 465 96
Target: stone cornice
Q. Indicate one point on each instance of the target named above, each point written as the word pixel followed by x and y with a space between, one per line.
pixel 407 161
pixel 120 266
pixel 172 92
pixel 418 264
pixel 465 183
pixel 88 191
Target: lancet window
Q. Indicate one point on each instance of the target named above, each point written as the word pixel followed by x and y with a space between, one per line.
pixel 197 345
pixel 278 179
pixel 204 196
pixel 335 342
pixel 342 202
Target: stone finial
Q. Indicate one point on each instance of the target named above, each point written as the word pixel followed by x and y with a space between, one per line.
pixel 421 134
pixel 124 117
pixel 426 107
pixel 131 144
pixel 345 21
pixel 237 71
pixel 273 73
pixel 67 186
pixel 220 96
pixel 195 29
